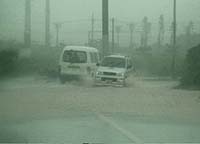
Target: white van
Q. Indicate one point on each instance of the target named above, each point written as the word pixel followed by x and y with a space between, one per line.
pixel 78 61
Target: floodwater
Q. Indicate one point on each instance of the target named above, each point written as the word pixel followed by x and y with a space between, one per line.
pixel 38 109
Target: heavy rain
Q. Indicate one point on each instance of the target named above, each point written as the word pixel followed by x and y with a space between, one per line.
pixel 99 71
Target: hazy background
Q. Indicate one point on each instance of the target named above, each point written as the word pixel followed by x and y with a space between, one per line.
pixel 79 12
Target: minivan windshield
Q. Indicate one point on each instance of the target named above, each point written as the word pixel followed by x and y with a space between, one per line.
pixel 75 56
pixel 113 62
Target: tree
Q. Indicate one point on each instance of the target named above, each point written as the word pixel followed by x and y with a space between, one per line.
pixel 161 30
pixel 118 30
pixel 191 75
pixel 189 31
pixel 131 28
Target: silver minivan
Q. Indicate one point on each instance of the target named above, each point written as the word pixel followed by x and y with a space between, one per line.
pixel 113 70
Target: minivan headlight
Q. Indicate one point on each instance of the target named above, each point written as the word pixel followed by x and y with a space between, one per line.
pixel 120 74
pixel 99 73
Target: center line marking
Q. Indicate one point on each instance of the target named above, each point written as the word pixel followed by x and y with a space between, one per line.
pixel 126 133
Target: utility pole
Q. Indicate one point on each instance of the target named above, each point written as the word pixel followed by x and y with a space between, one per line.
pixel 58 26
pixel 174 41
pixel 131 28
pixel 146 29
pixel 92 31
pixel 89 38
pixel 113 35
pixel 105 27
pixel 27 29
pixel 47 23
pixel 161 30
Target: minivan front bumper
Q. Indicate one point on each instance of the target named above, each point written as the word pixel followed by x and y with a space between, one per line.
pixel 109 80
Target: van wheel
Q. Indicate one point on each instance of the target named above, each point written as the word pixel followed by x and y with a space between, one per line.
pixel 62 79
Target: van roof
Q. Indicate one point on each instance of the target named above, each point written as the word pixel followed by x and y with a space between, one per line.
pixel 81 48
pixel 117 56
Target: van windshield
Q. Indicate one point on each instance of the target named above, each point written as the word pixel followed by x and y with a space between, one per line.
pixel 75 56
pixel 113 62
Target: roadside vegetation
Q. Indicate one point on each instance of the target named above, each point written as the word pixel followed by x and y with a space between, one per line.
pixel 16 59
pixel 8 56
pixel 154 62
pixel 191 76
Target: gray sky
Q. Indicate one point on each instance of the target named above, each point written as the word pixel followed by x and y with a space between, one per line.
pixel 12 15
pixel 130 9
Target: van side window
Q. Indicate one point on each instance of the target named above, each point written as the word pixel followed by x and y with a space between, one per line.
pixel 75 56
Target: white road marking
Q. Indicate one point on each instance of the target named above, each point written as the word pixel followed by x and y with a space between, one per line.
pixel 125 132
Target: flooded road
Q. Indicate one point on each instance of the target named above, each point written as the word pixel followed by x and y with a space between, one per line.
pixel 37 109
